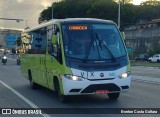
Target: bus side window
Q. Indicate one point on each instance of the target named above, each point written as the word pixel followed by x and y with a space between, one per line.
pixel 37 42
pixel 54 47
pixel 57 48
pixel 49 38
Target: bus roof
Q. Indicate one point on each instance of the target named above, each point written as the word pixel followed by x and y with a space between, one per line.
pixel 70 20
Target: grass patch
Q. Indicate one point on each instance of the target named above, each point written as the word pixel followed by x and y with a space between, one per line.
pixel 147 64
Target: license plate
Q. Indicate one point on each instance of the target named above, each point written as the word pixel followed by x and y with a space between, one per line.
pixel 101 91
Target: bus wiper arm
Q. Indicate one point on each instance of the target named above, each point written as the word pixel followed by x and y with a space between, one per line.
pixel 105 46
pixel 89 49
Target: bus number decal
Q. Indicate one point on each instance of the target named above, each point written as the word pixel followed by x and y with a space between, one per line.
pixel 112 74
pixel 82 74
pixel 91 74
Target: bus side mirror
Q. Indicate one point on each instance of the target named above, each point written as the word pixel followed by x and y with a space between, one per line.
pixel 52 43
pixel 123 35
pixel 54 39
pixel 56 29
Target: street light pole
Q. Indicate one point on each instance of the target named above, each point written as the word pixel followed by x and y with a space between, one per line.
pixel 17 20
pixel 119 14
pixel 26 24
pixel 52 11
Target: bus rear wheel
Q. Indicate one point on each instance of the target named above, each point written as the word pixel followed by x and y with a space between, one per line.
pixel 113 96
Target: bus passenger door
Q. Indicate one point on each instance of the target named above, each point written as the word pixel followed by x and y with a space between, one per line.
pixel 53 57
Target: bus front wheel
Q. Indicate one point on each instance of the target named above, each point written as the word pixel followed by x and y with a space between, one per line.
pixel 113 96
pixel 62 97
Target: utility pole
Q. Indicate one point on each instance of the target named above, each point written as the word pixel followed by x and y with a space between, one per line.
pixel 52 10
pixel 119 14
pixel 26 24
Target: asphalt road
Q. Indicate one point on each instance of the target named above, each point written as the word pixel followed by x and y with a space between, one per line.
pixel 146 71
pixel 141 95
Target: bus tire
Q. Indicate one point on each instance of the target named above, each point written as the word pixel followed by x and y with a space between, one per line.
pixel 113 96
pixel 62 97
pixel 32 84
pixel 55 82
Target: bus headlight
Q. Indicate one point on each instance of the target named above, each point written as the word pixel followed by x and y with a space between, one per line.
pixel 124 75
pixel 72 77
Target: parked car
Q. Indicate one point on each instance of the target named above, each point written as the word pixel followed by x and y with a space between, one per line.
pixel 142 57
pixel 155 58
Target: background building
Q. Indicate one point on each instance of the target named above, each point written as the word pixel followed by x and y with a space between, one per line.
pixel 143 37
pixel 8 38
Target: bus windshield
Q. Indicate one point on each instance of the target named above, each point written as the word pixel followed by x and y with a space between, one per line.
pixel 92 41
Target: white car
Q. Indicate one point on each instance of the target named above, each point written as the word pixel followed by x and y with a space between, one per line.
pixel 155 58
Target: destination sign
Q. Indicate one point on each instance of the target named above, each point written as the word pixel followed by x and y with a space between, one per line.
pixel 78 27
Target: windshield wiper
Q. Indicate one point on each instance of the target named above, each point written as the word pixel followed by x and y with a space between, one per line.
pixel 105 46
pixel 89 49
pixel 100 43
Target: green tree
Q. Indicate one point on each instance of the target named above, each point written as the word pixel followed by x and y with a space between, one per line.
pixel 128 14
pixel 104 9
pixel 149 10
pixel 67 9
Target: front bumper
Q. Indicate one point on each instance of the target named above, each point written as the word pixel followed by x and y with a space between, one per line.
pixel 86 86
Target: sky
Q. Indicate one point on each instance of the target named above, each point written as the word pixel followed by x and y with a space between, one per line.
pixel 22 9
pixel 28 10
pixel 137 2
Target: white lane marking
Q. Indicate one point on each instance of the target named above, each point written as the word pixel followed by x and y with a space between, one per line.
pixel 23 98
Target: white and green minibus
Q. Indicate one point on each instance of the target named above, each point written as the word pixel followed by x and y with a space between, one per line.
pixel 76 56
